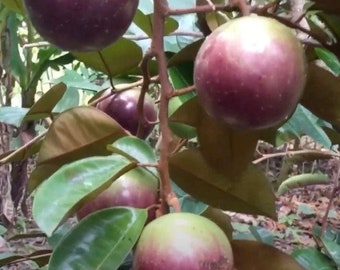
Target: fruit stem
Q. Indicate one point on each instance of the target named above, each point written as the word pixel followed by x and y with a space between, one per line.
pixel 168 197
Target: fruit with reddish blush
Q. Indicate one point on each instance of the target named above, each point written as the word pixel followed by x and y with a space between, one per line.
pixel 182 241
pixel 123 107
pixel 137 188
pixel 81 25
pixel 250 73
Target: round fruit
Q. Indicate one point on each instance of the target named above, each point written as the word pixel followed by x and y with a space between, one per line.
pixel 182 241
pixel 250 73
pixel 136 188
pixel 123 107
pixel 81 25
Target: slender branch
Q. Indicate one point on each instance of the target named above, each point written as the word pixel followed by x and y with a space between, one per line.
pixel 24 147
pixel 168 197
pixel 176 33
pixel 101 56
pixel 336 189
pixel 200 9
pixel 145 86
pixel 183 91
pixel 292 153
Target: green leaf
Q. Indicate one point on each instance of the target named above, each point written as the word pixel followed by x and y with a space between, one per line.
pixel 69 100
pixel 59 194
pixel 250 193
pixel 76 133
pixel 12 115
pixel 313 259
pixel 44 106
pixel 181 76
pixel 333 249
pixel 322 94
pixel 329 59
pixel 306 209
pixel 100 241
pixel 262 235
pixel 136 150
pixel 187 54
pixel 256 255
pixel 119 57
pixel 16 64
pixel 145 23
pixel 227 150
pixel 303 180
pixel 303 122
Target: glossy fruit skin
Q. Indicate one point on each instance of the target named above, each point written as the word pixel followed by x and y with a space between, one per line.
pixel 137 188
pixel 182 241
pixel 250 73
pixel 123 107
pixel 81 25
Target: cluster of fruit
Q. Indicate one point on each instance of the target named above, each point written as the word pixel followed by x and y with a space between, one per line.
pixel 249 74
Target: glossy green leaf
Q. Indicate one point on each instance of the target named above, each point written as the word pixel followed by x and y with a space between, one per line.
pixel 255 255
pixel 262 235
pixel 181 76
pixel 44 106
pixel 59 234
pixel 191 205
pixel 135 149
pixel 227 150
pixel 100 241
pixel 329 59
pixel 76 133
pixel 16 63
pixel 70 99
pixel 303 122
pixel 322 94
pixel 303 180
pixel 187 54
pixel 119 57
pixel 12 115
pixel 145 23
pixel 61 192
pixel 333 249
pixel 250 193
pixel 313 259
pixel 332 21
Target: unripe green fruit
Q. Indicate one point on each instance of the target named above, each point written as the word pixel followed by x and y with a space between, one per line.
pixel 182 241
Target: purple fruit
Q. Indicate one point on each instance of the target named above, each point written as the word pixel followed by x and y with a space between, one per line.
pixel 136 188
pixel 123 108
pixel 81 25
pixel 250 73
pixel 182 241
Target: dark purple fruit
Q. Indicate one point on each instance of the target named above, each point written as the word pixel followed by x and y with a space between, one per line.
pixel 123 107
pixel 250 73
pixel 182 241
pixel 81 25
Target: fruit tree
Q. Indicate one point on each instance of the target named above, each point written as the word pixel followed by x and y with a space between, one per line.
pixel 146 121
